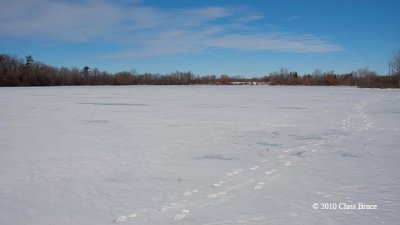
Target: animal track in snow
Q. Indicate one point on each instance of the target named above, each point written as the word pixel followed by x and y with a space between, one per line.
pixel 188 193
pixel 216 195
pixel 125 218
pixel 270 172
pixel 259 185
pixel 254 168
pixel 230 174
pixel 170 206
pixel 180 216
pixel 218 184
pixel 121 219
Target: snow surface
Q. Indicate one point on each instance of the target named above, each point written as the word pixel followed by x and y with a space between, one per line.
pixel 211 155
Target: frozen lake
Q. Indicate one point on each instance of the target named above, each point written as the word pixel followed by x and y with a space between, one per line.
pixel 208 155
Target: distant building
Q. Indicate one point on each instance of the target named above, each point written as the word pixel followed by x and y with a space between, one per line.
pixel 251 83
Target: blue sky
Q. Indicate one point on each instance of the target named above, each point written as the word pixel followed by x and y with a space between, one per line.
pixel 248 38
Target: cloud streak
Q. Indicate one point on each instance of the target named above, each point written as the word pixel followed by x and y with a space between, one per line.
pixel 288 42
pixel 149 31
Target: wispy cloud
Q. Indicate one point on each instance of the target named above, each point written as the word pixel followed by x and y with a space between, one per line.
pixel 149 31
pixel 67 21
pixel 289 42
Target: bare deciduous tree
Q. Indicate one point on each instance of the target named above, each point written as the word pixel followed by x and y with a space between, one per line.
pixel 394 67
pixel 85 72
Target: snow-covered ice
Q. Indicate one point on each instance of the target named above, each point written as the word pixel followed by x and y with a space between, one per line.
pixel 207 155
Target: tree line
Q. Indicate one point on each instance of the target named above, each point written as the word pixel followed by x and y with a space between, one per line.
pixel 27 72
